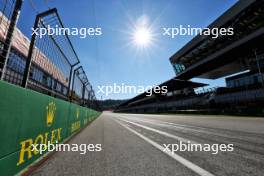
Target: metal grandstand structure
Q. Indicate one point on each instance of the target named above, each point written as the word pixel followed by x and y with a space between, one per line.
pixel 238 58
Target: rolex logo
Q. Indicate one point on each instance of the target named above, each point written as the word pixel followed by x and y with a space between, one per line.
pixel 50 108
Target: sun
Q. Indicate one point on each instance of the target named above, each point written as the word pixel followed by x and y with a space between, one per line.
pixel 142 36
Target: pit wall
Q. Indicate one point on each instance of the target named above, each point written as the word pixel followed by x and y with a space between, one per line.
pixel 28 117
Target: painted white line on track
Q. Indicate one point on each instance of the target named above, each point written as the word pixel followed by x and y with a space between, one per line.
pixel 178 158
pixel 183 127
pixel 162 132
pixel 189 128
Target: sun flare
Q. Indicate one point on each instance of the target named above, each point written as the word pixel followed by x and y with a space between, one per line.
pixel 142 37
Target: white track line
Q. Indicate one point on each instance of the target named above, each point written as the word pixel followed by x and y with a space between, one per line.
pixel 161 132
pixel 183 127
pixel 178 158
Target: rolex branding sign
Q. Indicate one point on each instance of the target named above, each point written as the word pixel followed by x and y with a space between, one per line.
pixel 29 118
pixel 54 135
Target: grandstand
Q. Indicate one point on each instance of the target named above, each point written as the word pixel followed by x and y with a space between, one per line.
pixel 238 58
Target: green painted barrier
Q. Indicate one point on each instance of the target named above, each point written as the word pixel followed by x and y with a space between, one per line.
pixel 28 117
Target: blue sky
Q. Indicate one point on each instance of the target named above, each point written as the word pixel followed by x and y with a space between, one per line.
pixel 110 58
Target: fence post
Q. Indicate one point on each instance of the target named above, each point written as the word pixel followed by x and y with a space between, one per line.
pixel 70 80
pixel 8 40
pixel 73 78
pixel 30 54
pixel 83 93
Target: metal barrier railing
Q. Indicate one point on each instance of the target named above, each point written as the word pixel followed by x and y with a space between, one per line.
pixel 54 53
pixel 82 91
pixel 9 13
pixel 45 63
pixel 77 85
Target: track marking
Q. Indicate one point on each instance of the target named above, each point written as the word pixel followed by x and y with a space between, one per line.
pixel 176 157
pixel 161 132
pixel 189 128
pixel 184 127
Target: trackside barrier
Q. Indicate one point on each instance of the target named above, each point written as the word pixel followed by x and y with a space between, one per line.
pixel 28 117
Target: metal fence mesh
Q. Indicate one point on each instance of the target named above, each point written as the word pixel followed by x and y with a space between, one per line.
pixel 45 63
pixel 9 12
pixel 53 58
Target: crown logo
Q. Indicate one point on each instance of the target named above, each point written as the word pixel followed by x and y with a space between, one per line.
pixel 77 113
pixel 50 108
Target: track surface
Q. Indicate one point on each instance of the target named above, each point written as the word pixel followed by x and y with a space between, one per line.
pixel 133 145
